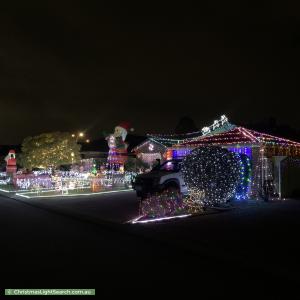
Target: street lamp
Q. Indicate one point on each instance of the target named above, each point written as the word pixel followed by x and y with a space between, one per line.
pixel 80 135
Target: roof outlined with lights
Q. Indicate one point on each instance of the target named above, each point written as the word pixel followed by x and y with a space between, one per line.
pixel 240 135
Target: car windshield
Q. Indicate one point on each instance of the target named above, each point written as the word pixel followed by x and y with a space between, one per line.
pixel 171 166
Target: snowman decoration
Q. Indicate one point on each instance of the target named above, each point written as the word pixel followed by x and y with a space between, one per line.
pixel 117 155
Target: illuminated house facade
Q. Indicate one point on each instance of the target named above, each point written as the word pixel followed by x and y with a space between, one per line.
pixel 156 147
pixel 264 151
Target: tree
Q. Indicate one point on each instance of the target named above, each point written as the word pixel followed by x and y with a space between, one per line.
pixel 185 125
pixel 49 150
pixel 273 127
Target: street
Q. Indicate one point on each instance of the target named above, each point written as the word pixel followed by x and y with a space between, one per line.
pixel 117 207
pixel 249 248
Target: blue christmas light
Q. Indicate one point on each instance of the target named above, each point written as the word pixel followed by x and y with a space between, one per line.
pixel 242 191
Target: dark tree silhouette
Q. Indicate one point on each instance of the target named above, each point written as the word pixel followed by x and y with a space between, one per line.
pixel 185 125
pixel 271 126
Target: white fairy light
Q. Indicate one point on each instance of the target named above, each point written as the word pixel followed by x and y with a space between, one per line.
pixel 206 130
pixel 213 172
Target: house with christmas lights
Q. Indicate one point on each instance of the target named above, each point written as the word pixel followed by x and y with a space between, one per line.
pixel 156 147
pixel 267 154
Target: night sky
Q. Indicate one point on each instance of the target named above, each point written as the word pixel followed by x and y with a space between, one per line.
pixel 88 65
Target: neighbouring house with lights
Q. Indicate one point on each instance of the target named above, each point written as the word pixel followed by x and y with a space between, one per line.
pixel 269 155
pixel 156 147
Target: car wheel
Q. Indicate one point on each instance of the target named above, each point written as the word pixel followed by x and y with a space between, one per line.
pixel 172 188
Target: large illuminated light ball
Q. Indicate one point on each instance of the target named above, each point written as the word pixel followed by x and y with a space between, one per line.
pixel 213 172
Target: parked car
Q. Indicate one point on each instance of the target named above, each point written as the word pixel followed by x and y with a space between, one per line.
pixel 166 176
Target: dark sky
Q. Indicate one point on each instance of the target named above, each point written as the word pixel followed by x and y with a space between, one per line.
pixel 69 65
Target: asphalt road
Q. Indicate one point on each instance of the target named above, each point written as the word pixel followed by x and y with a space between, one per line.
pixel 112 207
pixel 245 251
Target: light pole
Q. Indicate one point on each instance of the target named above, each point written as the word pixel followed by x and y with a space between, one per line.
pixel 78 136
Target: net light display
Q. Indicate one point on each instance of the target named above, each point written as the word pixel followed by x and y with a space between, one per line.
pixel 168 204
pixel 214 172
pixel 161 205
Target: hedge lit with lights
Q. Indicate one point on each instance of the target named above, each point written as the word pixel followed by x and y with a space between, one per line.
pixel 213 172
pixel 49 150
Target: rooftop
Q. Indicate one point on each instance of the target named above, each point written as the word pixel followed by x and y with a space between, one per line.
pixel 240 135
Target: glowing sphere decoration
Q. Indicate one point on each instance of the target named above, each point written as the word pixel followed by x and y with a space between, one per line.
pixel 213 171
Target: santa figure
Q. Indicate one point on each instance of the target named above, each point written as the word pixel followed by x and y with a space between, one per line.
pixel 11 163
pixel 120 134
pixel 117 145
